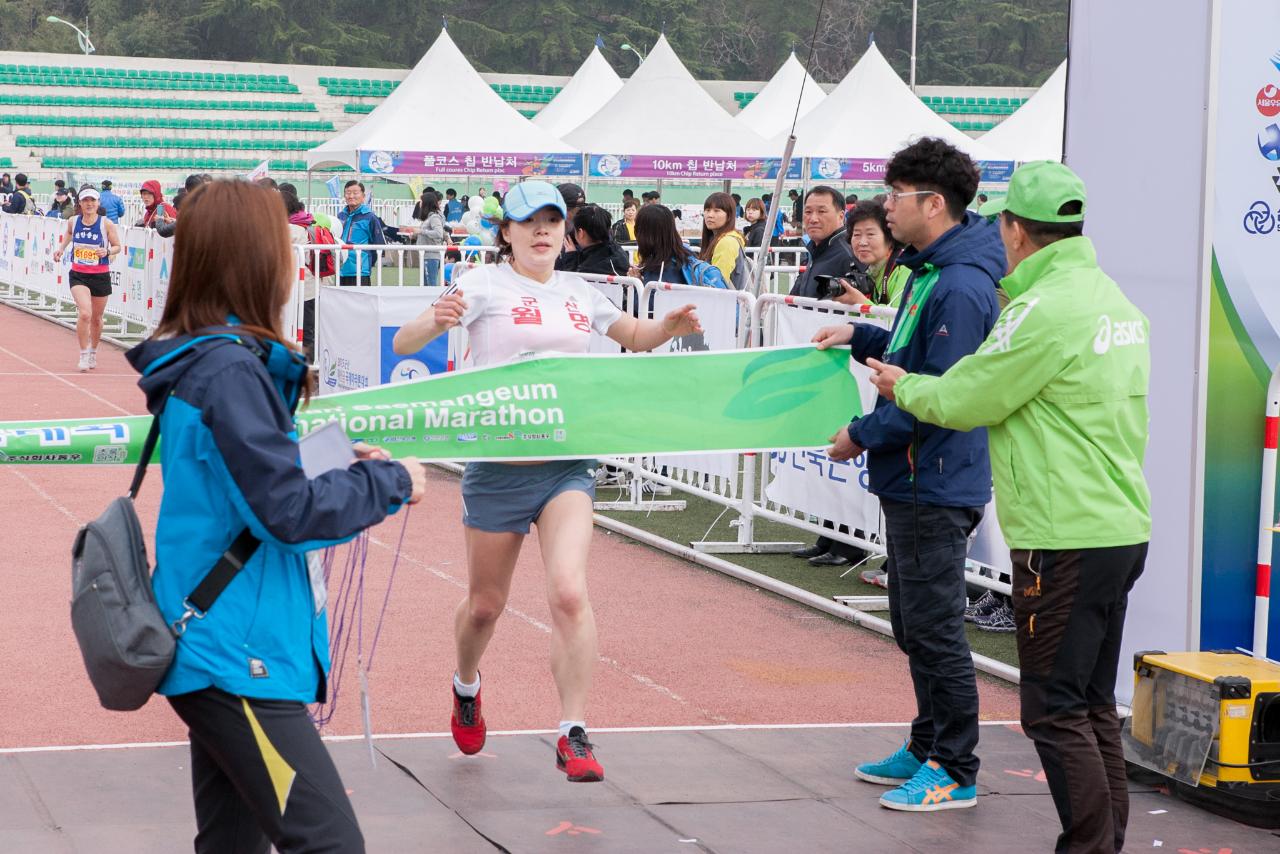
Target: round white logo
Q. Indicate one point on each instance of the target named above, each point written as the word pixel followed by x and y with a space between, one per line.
pixel 381 161
pixel 829 168
pixel 408 369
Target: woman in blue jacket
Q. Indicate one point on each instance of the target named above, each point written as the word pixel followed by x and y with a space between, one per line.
pixel 224 383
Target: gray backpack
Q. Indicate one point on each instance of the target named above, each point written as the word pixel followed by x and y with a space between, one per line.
pixel 125 641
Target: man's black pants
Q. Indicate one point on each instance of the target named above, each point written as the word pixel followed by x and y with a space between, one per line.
pixel 927 547
pixel 1070 606
pixel 352 281
pixel 260 776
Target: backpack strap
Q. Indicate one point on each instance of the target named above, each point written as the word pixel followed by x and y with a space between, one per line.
pixel 200 600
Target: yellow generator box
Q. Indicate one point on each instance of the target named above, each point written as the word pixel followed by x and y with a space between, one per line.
pixel 1210 721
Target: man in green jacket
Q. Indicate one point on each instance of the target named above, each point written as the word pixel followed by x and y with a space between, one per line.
pixel 1061 385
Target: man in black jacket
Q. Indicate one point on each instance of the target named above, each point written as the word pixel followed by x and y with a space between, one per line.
pixel 21 200
pixel 829 251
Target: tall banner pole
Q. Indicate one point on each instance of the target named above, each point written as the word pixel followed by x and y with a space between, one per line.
pixel 762 259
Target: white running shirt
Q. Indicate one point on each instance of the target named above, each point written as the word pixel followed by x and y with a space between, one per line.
pixel 511 317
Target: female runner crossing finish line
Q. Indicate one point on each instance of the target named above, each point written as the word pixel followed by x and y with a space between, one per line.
pixel 518 308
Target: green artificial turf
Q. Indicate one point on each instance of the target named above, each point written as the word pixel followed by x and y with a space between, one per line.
pixel 704 520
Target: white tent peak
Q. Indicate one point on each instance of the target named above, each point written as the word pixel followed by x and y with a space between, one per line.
pixel 872 113
pixel 410 119
pixel 773 108
pixel 1034 132
pixel 661 110
pixel 590 88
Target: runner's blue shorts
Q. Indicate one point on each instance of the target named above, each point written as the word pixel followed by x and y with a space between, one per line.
pixel 504 498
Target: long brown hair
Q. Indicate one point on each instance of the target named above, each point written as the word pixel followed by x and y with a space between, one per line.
pixel 231 256
pixel 724 202
pixel 657 241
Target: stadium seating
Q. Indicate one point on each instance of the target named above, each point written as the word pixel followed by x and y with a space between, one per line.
pixel 50 141
pixel 133 78
pixel 210 164
pixel 6 162
pixel 18 119
pixel 973 105
pixel 161 124
pixel 124 102
pixel 351 87
pixel 744 98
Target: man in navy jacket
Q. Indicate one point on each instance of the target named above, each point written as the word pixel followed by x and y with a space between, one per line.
pixel 932 483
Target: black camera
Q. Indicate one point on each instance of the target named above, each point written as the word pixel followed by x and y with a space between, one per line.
pixel 830 287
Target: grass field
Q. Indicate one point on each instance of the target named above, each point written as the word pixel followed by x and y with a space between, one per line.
pixel 704 520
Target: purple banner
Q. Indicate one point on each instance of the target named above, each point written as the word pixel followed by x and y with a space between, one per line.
pixel 871 169
pixel 647 166
pixel 468 163
pixel 846 169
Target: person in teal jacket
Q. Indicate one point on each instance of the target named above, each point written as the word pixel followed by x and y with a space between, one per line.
pixel 360 226
pixel 1061 387
pixel 224 383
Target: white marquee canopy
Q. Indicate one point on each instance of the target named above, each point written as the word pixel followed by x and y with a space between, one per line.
pixel 773 108
pixel 1034 132
pixel 414 117
pixel 591 87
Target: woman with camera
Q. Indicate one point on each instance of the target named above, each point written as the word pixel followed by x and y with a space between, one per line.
pixel 874 247
pixel 521 307
pixel 222 378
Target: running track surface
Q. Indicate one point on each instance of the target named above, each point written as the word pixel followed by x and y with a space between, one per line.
pixel 679 645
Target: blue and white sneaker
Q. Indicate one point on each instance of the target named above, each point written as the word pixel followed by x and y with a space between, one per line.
pixel 930 789
pixel 893 770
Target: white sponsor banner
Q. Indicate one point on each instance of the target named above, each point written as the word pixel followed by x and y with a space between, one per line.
pixel 346 323
pixel 811 482
pixel 158 273
pixel 44 275
pixel 617 295
pixel 129 298
pixel 720 312
pixel 355 331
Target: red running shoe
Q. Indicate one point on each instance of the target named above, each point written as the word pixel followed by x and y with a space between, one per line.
pixel 574 758
pixel 467 723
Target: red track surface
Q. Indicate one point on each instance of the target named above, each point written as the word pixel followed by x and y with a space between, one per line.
pixel 679 645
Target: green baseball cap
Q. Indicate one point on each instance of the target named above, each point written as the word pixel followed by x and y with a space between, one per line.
pixel 1037 191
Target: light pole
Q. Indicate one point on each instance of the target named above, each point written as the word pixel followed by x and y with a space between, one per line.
pixel 915 4
pixel 633 50
pixel 82 36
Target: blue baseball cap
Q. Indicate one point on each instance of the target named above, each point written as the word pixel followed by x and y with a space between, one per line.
pixel 528 197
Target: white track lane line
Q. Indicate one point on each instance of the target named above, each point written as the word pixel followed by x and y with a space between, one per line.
pixel 71 748
pixel 35 487
pixel 96 373
pixel 612 663
pixel 42 372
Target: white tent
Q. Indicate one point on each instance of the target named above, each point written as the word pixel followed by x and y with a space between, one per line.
pixel 414 117
pixel 661 110
pixel 591 87
pixel 872 114
pixel 773 108
pixel 1034 132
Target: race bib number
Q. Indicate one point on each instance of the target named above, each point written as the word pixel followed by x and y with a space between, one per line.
pixel 85 254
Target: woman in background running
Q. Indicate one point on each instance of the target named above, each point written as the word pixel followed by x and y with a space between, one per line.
pixel 94 241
